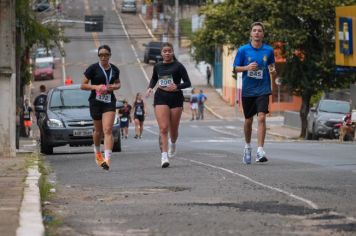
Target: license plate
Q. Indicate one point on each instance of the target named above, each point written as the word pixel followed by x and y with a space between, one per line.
pixel 83 132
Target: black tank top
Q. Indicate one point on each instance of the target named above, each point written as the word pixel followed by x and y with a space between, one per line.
pixel 139 108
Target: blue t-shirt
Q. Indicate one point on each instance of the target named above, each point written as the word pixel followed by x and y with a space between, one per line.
pixel 258 82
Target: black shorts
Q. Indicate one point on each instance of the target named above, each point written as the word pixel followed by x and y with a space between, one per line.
pixel 141 118
pixel 171 99
pixel 254 105
pixel 98 108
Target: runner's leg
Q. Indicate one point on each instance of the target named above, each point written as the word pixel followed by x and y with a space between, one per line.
pixel 108 122
pixel 162 113
pixel 176 114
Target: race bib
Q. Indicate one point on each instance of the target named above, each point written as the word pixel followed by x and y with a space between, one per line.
pixel 139 113
pixel 123 119
pixel 165 80
pixel 26 116
pixel 256 74
pixel 106 98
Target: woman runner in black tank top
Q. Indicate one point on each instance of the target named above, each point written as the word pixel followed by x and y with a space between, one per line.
pixel 139 115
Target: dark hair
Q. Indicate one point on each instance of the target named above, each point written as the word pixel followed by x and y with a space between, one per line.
pixel 43 88
pixel 104 47
pixel 167 44
pixel 259 24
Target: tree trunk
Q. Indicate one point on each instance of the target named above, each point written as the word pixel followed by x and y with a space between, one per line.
pixel 304 110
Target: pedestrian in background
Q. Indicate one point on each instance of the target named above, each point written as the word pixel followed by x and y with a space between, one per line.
pixel 104 79
pixel 208 74
pixel 201 105
pixel 139 115
pixel 168 99
pixel 39 102
pixel 27 117
pixel 125 119
pixel 194 104
pixel 256 62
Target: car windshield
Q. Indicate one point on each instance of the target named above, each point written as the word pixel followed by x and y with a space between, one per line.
pixel 43 65
pixel 69 98
pixel 334 107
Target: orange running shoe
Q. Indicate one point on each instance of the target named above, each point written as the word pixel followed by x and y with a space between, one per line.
pixel 99 158
pixel 106 164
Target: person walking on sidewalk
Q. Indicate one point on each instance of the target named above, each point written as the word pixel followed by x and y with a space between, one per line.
pixel 168 99
pixel 125 119
pixel 104 78
pixel 201 100
pixel 139 115
pixel 194 104
pixel 256 62
pixel 208 74
pixel 27 118
pixel 40 102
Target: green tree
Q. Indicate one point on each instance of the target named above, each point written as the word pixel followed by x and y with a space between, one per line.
pixel 32 32
pixel 306 29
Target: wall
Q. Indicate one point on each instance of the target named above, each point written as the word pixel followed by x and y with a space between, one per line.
pixel 7 79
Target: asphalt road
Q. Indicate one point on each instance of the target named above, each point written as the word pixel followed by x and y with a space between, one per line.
pixel 307 188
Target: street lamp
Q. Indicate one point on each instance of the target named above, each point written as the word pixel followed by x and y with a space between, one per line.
pixel 176 28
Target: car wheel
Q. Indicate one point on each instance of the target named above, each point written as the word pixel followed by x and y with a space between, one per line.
pixel 145 60
pixel 315 136
pixel 308 135
pixel 45 148
pixel 117 145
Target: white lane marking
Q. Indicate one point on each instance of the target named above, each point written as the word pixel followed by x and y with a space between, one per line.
pixel 128 37
pixel 150 131
pixel 214 141
pixel 147 28
pixel 291 195
pixel 218 130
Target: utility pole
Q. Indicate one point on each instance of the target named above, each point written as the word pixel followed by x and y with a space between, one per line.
pixel 176 28
pixel 7 79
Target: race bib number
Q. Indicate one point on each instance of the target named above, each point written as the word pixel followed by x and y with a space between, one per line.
pixel 256 74
pixel 139 113
pixel 123 119
pixel 165 80
pixel 106 98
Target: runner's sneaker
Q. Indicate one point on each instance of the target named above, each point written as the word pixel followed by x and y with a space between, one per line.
pixel 106 164
pixel 247 156
pixel 261 157
pixel 171 150
pixel 99 159
pixel 164 162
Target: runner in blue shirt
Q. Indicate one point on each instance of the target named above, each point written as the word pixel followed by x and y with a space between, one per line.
pixel 256 62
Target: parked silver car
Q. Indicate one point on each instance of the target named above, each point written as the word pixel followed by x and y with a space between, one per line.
pixel 128 6
pixel 324 116
pixel 66 120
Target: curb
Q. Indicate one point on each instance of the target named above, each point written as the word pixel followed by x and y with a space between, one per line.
pixel 30 215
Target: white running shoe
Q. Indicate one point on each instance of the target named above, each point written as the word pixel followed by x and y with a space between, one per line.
pixel 164 162
pixel 261 157
pixel 171 150
pixel 247 156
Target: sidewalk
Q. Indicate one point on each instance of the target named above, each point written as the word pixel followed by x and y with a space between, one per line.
pixel 13 172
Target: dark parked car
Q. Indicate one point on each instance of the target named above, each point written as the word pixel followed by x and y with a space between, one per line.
pixel 152 52
pixel 66 120
pixel 324 116
pixel 41 5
